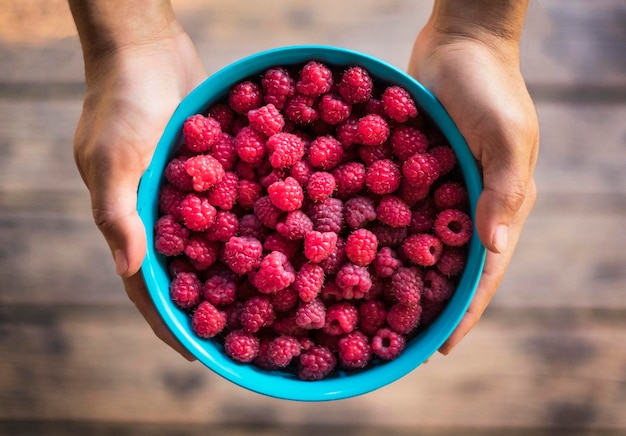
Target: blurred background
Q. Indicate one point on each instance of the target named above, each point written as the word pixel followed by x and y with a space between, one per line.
pixel 549 356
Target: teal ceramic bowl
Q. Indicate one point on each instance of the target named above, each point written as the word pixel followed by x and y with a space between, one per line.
pixel 210 353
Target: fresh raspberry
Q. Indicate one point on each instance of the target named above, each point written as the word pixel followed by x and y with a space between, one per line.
pixel 223 114
pixel 169 236
pixel 333 110
pixel 295 226
pixel 299 109
pixel 267 213
pixel 286 149
pixel 337 257
pixel 369 155
pixel 316 363
pixel 361 247
pixel 266 119
pixel 325 152
pixel 201 252
pixel 411 194
pixel 250 145
pixel 220 290
pixel 353 280
pixel 341 318
pixel 356 85
pixel 372 130
pixel 422 249
pixel 393 212
pixel 275 273
pixel 208 321
pixel 398 104
pixel 389 236
pixel 437 287
pixel 242 254
pixel 454 227
pixel 327 215
pixel 186 290
pixel 225 151
pixel 355 350
pixel 277 242
pixel 423 216
pixel 248 192
pixel 315 79
pixel 177 175
pixel 263 359
pixel 224 194
pixel 350 179
pixel 404 319
pixel 445 157
pixel 200 132
pixel 319 245
pixel 257 312
pixel 283 349
pixel 359 212
pixel 406 286
pixel 383 177
pixel 321 185
pixel 249 225
pixel 388 344
pixel 301 171
pixel 311 315
pixel 205 171
pixel 244 97
pixel 452 261
pixel 421 169
pixel 278 86
pixel 450 195
pixel 241 346
pixel 198 214
pixel 224 227
pixel 406 141
pixel 169 201
pixel 346 132
pixel 285 300
pixel 386 262
pixel 309 281
pixel 372 316
pixel 286 194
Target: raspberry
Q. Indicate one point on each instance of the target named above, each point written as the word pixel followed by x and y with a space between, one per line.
pixel 333 110
pixel 309 281
pixel 170 198
pixel 346 132
pixel 453 227
pixel 266 119
pixel 205 171
pixel 411 194
pixel 421 169
pixel 286 149
pixel 407 286
pixel 242 254
pixel 321 185
pixel 359 211
pixel 250 145
pixel 452 261
pixel 398 104
pixel 263 359
pixel 301 171
pixel 198 214
pixel 225 151
pixel 275 175
pixel 277 242
pixel 353 280
pixel 406 141
pixel 315 79
pixel 249 225
pixel 356 85
pixel 244 97
pixel 350 179
pixel 223 114
pixel 200 132
pixel 445 157
pixel 177 175
pixel 300 110
pixel 372 130
pixel 287 325
pixel 388 344
pixel 248 192
pixel 404 319
pixel 450 195
pixel 316 363
pixel 383 177
pixel 224 227
pixel 341 318
pixel 241 346
pixel 311 315
pixel 361 247
pixel 283 349
pixel 327 215
pixel 295 226
pixel 277 86
pixel 437 287
pixel 220 290
pixel 386 262
pixel 169 236
pixel 186 290
pixel 201 252
pixel 208 321
pixel 224 194
pixel 422 249
pixel 275 273
pixel 369 155
pixel 337 258
pixel 372 316
pixel 257 312
pixel 286 195
pixel 423 216
pixel 267 213
pixel 325 152
pixel 389 236
pixel 355 350
pixel 393 212
pixel 284 300
pixel 319 245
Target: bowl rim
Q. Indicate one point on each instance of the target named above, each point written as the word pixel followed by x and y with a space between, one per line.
pixel 207 351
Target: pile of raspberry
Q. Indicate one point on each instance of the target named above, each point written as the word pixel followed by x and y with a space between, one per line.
pixel 313 220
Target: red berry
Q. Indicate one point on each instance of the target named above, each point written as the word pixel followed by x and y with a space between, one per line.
pixel 356 85
pixel 383 177
pixel 170 237
pixel 320 185
pixel 398 104
pixel 388 344
pixel 315 79
pixel 244 97
pixel 393 212
pixel 361 247
pixel 200 132
pixel 355 350
pixel 186 290
pixel 241 346
pixel 319 245
pixel 208 321
pixel 242 254
pixel 266 119
pixel 422 249
pixel 286 194
pixel 205 171
pixel 453 227
pixel 325 152
pixel 372 130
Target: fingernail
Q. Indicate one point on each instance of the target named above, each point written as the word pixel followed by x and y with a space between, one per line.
pixel 500 238
pixel 121 263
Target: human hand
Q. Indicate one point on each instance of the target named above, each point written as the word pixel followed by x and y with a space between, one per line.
pixel 478 81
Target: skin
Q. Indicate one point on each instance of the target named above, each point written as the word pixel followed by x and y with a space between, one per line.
pixel 139 64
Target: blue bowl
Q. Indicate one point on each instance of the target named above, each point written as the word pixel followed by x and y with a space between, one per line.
pixel 210 353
